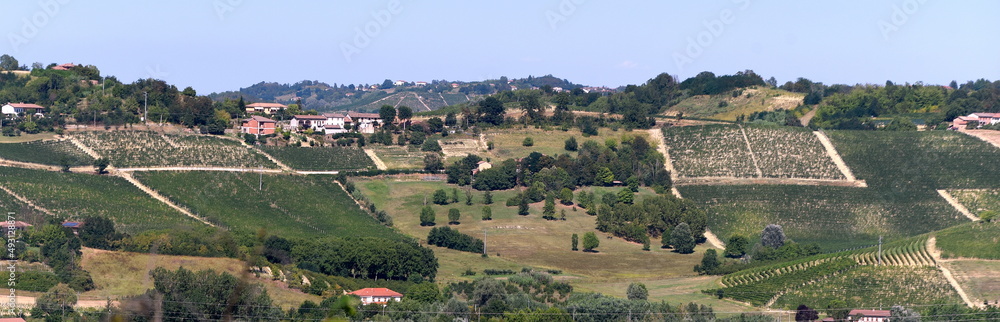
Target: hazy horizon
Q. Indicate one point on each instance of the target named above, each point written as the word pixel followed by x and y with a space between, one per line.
pixel 225 45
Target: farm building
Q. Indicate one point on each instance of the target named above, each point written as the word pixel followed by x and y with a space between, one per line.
pixel 377 295
pixel 868 315
pixel 74 225
pixel 266 108
pixel 304 122
pixel 982 118
pixel 362 122
pixel 14 109
pixel 258 125
pixel 334 123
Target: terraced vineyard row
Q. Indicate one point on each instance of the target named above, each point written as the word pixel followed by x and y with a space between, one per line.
pixel 51 152
pixel 760 292
pixel 874 286
pixel 150 149
pixel 908 252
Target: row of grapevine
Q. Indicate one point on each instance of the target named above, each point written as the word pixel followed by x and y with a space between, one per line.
pixel 151 149
pixel 761 291
pixel 321 158
pixel 51 152
pixel 908 252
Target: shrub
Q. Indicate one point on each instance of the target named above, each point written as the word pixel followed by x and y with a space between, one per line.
pixel 528 141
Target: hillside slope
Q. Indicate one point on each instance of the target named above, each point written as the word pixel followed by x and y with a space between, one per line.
pixel 727 106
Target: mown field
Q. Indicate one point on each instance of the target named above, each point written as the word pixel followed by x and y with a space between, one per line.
pixel 73 196
pixel 979 278
pixel 875 286
pixel 834 217
pixel 526 240
pixel 49 152
pixel 973 240
pixel 290 206
pixel 399 157
pixel 151 149
pixel 321 158
pixel 756 99
pixel 122 274
pixel 507 144
pixel 724 151
pixel 978 200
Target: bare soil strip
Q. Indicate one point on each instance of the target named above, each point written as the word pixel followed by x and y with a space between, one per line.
pixel 661 146
pixel 86 149
pixel 808 117
pixel 26 201
pixel 714 240
pixel 932 248
pixel 753 156
pixel 28 165
pixel 990 136
pixel 958 206
pixel 378 162
pixel 729 181
pixel 128 176
pixel 832 152
pixel 197 169
pixel 268 156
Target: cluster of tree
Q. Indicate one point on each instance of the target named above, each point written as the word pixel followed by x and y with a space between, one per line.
pixel 453 239
pixel 706 83
pixel 853 108
pixel 203 295
pixel 653 217
pixel 60 249
pixel 365 257
pixel 779 117
pixel 633 161
pixel 773 246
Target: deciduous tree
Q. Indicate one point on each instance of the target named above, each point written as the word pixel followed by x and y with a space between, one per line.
pixel 681 239
pixel 427 216
pixel 590 241
pixel 637 291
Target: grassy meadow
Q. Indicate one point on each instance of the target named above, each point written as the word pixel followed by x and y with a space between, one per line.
pixel 526 240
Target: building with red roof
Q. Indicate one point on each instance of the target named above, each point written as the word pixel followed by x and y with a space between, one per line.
pixel 377 295
pixel 266 108
pixel 258 125
pixel 21 108
pixel 869 315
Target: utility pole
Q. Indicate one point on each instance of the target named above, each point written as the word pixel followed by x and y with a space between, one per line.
pixel 146 103
pixel 880 250
pixel 260 182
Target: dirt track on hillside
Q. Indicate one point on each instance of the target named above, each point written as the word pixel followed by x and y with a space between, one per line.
pixel 932 249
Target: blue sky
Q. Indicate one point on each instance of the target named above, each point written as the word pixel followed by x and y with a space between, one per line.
pixel 216 45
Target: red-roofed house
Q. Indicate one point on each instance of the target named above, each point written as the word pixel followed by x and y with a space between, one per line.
pixel 19 108
pixel 266 108
pixel 304 122
pixel 982 118
pixel 64 66
pixel 377 295
pixel 869 315
pixel 258 125
pixel 335 123
pixel 11 320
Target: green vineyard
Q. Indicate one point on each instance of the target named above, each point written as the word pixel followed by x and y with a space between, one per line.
pixel 291 206
pixel 150 149
pixel 835 217
pixel 761 291
pixel 73 196
pixel 875 286
pixel 49 152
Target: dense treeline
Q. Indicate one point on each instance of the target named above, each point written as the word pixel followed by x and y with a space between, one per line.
pixel 652 217
pixel 365 257
pixel 633 160
pixel 705 83
pixel 453 239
